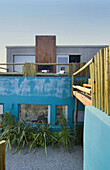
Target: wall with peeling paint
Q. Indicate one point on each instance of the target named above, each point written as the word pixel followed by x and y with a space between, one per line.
pixel 37 90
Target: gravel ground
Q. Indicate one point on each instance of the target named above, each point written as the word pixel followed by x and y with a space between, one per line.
pixel 57 159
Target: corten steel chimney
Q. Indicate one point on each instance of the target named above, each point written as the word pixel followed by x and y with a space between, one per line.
pixel 45 52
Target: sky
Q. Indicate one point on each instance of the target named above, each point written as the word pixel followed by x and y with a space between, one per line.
pixel 74 22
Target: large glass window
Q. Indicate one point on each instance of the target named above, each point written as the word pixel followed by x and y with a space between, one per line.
pixel 35 113
pixel 61 109
pixel 22 59
pixel 74 58
pixel 62 59
pixel 66 59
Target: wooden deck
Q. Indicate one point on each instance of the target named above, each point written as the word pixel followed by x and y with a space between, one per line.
pixel 87 85
pixel 20 74
pixel 83 98
pixel 11 74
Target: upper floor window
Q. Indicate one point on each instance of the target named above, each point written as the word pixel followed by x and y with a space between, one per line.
pixel 22 59
pixel 62 59
pixel 66 59
pixel 74 58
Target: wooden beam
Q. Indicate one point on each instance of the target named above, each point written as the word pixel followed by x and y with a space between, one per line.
pixel 102 77
pixel 72 86
pixel 37 74
pixel 96 81
pixel 2 155
pixel 82 98
pixel 109 81
pixel 11 64
pixel 51 74
pixel 11 74
pixel 84 89
pixel 44 64
pixel 105 81
pixel 69 70
pixel 87 85
pixel 89 81
pixel 93 94
pixel 81 69
pixel 99 80
pixel 75 118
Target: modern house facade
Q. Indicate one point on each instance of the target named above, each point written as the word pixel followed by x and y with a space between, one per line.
pixel 46 98
pixel 46 51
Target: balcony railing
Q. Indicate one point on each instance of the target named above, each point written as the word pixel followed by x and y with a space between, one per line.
pixel 31 69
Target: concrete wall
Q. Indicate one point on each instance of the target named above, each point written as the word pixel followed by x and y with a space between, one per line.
pixel 18 51
pixel 96 140
pixel 39 90
pixel 86 52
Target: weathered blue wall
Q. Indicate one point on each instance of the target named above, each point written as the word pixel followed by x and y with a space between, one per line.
pixel 37 90
pixel 96 140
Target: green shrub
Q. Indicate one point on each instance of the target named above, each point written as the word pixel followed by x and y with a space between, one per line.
pixel 23 134
pixel 8 120
pixel 66 134
pixel 43 137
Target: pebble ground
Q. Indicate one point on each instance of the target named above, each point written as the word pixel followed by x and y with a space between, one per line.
pixel 57 159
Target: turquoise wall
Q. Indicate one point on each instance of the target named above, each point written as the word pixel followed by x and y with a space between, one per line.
pixel 37 90
pixel 96 140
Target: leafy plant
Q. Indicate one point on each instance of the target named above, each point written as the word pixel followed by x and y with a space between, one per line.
pixel 63 121
pixel 65 138
pixel 17 134
pixel 43 136
pixel 23 134
pixel 65 135
pixel 8 120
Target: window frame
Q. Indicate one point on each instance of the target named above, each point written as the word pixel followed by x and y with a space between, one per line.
pixel 49 112
pixel 3 107
pixel 66 115
pixel 21 55
pixel 61 56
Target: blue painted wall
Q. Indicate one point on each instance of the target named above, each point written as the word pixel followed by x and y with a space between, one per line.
pixel 37 90
pixel 96 140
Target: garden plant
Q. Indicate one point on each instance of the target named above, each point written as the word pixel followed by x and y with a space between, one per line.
pixel 22 134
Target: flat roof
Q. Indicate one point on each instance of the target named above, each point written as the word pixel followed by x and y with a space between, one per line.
pixel 64 46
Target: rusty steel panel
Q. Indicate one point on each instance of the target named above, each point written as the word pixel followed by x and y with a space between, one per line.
pixel 45 50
